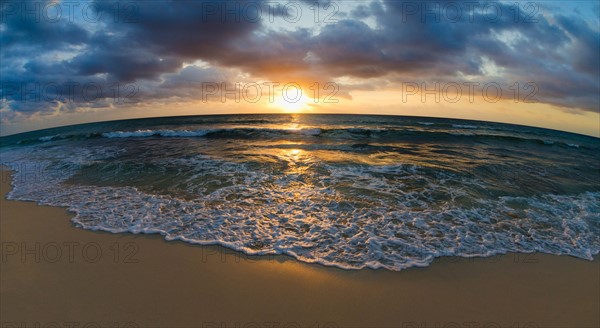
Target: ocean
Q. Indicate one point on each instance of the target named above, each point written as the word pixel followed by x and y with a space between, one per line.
pixel 351 191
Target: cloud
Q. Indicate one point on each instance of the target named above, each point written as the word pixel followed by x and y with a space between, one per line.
pixel 29 26
pixel 151 44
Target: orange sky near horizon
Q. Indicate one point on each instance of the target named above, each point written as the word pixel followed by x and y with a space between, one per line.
pixel 385 102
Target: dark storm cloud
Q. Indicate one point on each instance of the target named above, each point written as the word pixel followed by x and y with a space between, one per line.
pixel 412 42
pixel 165 34
pixel 586 53
pixel 149 42
pixel 146 40
pixel 126 65
pixel 405 41
pixel 29 26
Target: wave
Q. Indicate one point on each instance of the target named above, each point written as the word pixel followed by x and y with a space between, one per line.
pixel 388 226
pixel 464 126
pixel 155 133
pixel 58 137
pixel 381 193
pixel 354 134
pixel 202 133
pixel 345 133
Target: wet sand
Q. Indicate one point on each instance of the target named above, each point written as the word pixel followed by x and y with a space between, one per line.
pixel 55 274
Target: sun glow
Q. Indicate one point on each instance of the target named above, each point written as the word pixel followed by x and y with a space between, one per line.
pixel 291 100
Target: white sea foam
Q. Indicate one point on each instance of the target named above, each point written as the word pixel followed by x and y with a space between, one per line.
pixel 150 133
pixel 47 138
pixel 318 218
pixel 201 133
pixel 465 126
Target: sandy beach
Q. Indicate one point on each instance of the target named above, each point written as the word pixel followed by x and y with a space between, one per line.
pixel 56 275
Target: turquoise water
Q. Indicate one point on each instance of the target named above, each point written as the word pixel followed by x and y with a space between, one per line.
pixel 351 191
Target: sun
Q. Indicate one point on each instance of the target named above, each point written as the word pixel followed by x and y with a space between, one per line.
pixel 291 100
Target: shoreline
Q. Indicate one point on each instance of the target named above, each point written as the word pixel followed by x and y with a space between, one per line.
pixel 145 281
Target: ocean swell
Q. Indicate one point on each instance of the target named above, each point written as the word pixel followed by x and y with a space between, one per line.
pixel 385 226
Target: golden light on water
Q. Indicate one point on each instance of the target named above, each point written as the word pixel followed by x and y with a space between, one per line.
pixel 298 161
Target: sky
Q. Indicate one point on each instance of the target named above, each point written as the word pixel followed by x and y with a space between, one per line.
pixel 533 63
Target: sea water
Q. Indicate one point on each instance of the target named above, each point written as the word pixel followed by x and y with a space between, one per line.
pixel 351 191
